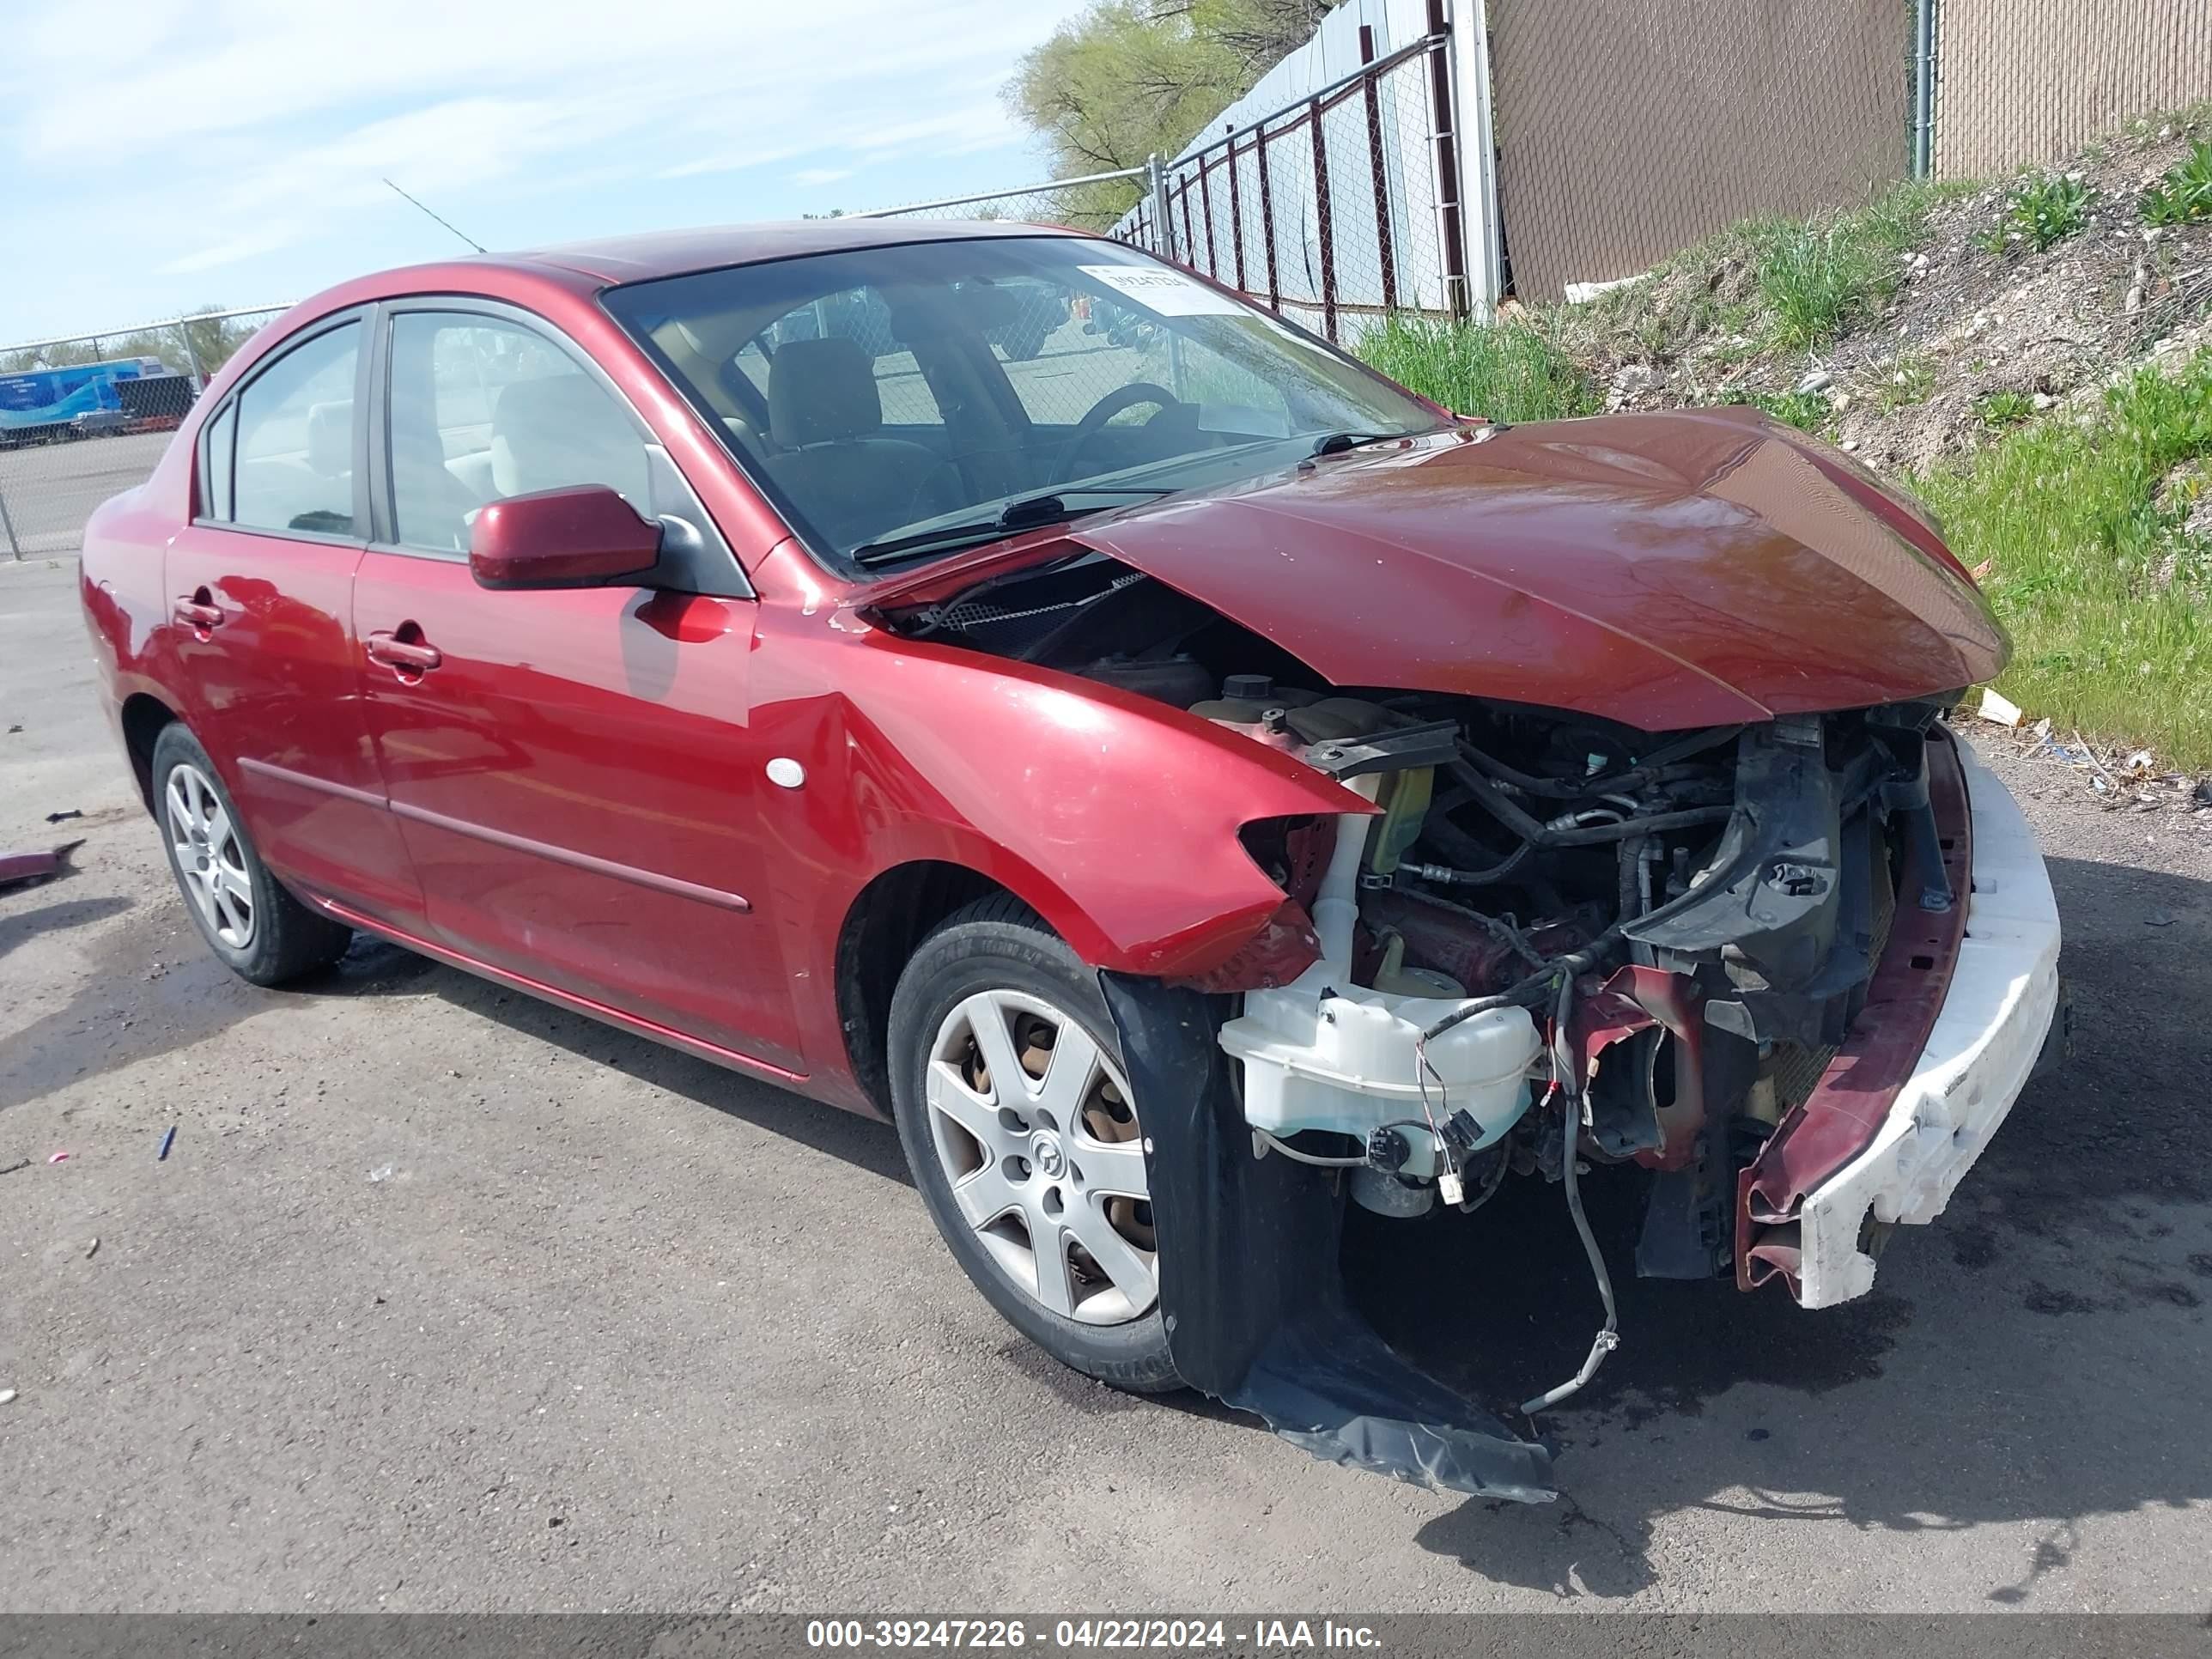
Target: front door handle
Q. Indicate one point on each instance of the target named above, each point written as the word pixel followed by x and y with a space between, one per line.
pixel 404 656
pixel 196 612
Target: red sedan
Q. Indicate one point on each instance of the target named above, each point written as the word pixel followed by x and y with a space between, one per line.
pixel 1186 781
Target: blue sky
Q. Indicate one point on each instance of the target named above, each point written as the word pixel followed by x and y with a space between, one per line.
pixel 160 155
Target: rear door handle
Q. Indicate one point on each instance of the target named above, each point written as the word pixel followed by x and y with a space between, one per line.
pixel 194 613
pixel 407 656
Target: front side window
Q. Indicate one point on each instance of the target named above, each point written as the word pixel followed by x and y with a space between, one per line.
pixel 894 401
pixel 294 445
pixel 483 408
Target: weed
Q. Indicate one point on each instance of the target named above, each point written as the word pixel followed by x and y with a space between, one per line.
pixel 1911 378
pixel 2183 194
pixel 2003 409
pixel 2041 211
pixel 1508 371
pixel 1806 411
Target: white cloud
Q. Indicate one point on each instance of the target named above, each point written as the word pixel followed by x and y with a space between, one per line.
pixel 264 122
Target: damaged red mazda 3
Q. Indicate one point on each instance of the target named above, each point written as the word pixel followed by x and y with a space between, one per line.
pixel 1188 783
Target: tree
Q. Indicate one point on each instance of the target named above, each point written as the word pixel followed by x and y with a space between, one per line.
pixel 213 339
pixel 1126 79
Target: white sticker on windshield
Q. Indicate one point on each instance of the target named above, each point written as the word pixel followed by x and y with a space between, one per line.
pixel 1162 292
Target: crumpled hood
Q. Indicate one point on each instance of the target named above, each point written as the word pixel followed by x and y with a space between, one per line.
pixel 1666 570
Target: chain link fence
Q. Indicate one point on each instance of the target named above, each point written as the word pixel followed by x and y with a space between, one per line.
pixel 1335 212
pixel 85 417
pixel 1096 201
pixel 1628 131
pixel 2029 82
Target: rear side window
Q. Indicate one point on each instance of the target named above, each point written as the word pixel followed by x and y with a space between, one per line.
pixel 294 439
pixel 215 463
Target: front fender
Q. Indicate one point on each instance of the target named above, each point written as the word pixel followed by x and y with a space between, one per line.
pixel 1114 816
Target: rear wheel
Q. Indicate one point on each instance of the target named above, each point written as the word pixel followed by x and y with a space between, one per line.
pixel 259 930
pixel 1015 1113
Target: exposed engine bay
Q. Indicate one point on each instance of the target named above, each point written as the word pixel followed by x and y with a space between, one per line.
pixel 1549 940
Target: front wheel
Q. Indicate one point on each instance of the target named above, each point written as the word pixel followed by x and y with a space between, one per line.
pixel 1015 1113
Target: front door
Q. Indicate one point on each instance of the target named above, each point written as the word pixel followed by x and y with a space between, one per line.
pixel 571 769
pixel 261 583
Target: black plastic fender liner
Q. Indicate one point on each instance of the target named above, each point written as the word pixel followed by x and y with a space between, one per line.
pixel 1251 1290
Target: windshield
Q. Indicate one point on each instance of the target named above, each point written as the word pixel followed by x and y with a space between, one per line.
pixel 883 395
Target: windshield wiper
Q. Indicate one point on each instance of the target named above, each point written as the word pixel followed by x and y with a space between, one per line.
pixel 1056 507
pixel 1335 443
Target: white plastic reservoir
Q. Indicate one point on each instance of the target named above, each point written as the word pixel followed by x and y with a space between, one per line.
pixel 1344 1062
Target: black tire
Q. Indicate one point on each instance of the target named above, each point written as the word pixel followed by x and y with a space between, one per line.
pixel 998 943
pixel 286 940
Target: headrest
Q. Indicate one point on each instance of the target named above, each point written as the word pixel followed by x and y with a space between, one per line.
pixel 561 430
pixel 329 437
pixel 820 390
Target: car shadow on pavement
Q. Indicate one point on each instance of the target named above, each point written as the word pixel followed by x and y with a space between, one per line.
pixel 21 927
pixel 865 1142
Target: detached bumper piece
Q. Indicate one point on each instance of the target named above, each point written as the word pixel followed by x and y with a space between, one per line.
pixel 1955 1020
pixel 1250 1286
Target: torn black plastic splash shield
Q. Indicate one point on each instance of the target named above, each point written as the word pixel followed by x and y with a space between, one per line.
pixel 1250 1286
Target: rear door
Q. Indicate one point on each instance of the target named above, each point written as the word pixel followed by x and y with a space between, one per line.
pixel 261 583
pixel 573 773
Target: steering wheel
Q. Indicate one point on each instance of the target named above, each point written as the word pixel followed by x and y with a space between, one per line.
pixel 1121 398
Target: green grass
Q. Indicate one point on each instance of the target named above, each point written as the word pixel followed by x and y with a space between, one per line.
pixel 1507 371
pixel 2041 211
pixel 2183 193
pixel 2110 604
pixel 2003 409
pixel 1807 411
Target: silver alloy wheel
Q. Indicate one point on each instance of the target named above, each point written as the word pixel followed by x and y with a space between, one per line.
pixel 210 862
pixel 1035 1129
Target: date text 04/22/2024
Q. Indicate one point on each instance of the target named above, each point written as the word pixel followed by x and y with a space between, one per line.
pixel 1196 1635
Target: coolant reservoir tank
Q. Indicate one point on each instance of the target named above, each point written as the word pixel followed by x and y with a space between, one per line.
pixel 1345 1061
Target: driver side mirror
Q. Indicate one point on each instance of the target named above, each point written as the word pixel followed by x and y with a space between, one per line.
pixel 584 536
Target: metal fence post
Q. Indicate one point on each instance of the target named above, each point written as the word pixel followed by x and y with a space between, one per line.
pixel 1385 240
pixel 193 358
pixel 1324 227
pixel 1267 218
pixel 1205 207
pixel 1923 88
pixel 1156 178
pixel 14 547
pixel 1236 215
pixel 1450 234
pixel 1475 139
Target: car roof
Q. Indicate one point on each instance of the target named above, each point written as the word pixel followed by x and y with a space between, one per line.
pixel 675 252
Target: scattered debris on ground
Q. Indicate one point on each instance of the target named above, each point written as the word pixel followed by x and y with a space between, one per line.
pixel 2117 781
pixel 18 868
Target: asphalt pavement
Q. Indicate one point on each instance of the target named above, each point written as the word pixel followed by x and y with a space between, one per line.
pixel 445 1299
